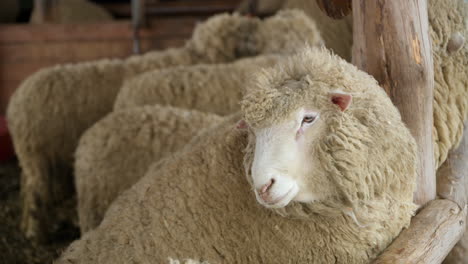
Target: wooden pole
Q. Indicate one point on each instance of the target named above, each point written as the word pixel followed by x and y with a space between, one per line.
pixel 43 11
pixel 391 42
pixel 432 234
pixel 452 184
pixel 452 176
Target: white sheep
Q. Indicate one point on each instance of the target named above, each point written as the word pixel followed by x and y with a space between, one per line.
pixel 213 88
pixel 116 152
pixel 350 166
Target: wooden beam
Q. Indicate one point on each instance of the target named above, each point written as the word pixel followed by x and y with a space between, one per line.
pixel 391 42
pixel 25 49
pixel 432 234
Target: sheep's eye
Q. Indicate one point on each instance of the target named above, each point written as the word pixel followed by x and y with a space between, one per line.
pixel 308 119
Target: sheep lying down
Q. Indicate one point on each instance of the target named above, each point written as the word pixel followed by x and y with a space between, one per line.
pixel 330 170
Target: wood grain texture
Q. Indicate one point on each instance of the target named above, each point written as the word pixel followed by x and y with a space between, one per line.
pixel 432 234
pixel 335 9
pixel 25 49
pixel 391 42
pixel 452 176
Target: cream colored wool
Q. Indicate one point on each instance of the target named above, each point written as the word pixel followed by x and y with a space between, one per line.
pixel 116 152
pixel 103 170
pixel 215 88
pixel 53 107
pixel 448 18
pixel 199 205
pixel 73 11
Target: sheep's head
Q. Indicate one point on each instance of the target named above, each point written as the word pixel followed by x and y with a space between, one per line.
pixel 235 36
pixel 324 135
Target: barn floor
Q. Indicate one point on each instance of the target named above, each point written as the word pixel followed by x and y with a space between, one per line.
pixel 14 247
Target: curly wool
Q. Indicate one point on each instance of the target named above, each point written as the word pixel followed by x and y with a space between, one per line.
pixel 449 19
pixel 116 152
pixel 214 88
pixel 368 131
pixel 103 170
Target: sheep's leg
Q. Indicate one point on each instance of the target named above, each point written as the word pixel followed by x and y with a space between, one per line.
pixel 116 152
pixel 35 194
pixel 45 186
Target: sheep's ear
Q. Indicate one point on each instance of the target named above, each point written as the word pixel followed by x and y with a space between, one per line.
pixel 343 100
pixel 242 124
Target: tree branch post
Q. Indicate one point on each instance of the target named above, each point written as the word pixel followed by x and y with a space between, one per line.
pixel 391 42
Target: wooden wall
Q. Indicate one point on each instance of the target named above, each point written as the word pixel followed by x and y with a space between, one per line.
pixel 26 48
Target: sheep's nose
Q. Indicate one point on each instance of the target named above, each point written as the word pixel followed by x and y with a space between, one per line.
pixel 263 191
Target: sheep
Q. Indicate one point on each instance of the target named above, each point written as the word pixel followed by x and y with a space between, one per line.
pixel 70 11
pixel 53 107
pixel 199 205
pixel 149 133
pixel 215 88
pixel 97 161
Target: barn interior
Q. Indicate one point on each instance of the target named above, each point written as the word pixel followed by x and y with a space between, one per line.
pixel 37 35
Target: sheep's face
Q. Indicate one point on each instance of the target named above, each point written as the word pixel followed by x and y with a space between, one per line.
pixel 323 138
pixel 284 168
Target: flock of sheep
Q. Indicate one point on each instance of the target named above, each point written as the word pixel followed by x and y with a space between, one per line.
pixel 164 170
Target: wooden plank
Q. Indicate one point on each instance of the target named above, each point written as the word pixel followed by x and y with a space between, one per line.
pixel 15 69
pixel 176 8
pixel 391 42
pixel 161 27
pixel 65 51
pixel 432 234
pixel 18 66
pixel 25 49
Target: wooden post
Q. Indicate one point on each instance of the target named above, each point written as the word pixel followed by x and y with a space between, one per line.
pixel 452 178
pixel 452 184
pixel 432 234
pixel 43 11
pixel 138 21
pixel 391 42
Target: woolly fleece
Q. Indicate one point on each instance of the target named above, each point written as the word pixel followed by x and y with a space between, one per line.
pixel 116 152
pixel 214 88
pixel 102 169
pixel 199 205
